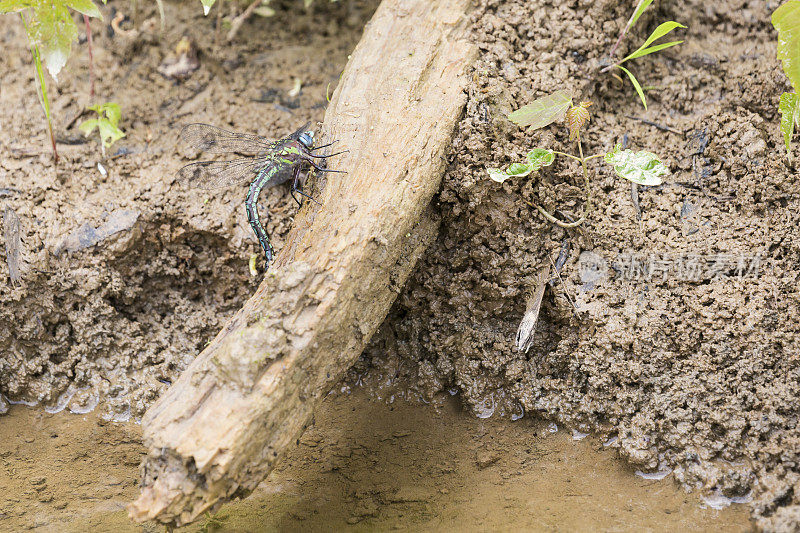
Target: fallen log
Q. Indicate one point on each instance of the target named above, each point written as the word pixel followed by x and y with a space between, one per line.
pixel 221 428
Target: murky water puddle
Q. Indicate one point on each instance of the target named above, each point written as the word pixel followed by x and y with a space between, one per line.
pixel 364 466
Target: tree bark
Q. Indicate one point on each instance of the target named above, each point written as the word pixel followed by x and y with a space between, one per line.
pixel 220 429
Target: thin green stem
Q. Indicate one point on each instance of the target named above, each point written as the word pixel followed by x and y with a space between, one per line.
pixel 42 94
pixel 585 177
pixel 594 157
pixel 567 155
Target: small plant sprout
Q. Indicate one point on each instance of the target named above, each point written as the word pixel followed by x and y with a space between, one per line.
pixel 51 31
pixel 646 48
pixel 786 20
pixel 643 168
pixel 107 121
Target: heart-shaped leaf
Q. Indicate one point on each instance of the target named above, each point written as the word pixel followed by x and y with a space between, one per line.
pixel 644 168
pixel 537 158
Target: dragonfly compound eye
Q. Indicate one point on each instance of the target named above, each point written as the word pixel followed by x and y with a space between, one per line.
pixel 307 138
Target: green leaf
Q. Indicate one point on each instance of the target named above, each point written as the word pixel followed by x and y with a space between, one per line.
pixel 111 111
pixel 86 7
pixel 12 6
pixel 636 85
pixel 643 4
pixel 786 20
pixel 652 49
pixel 109 133
pixel 658 33
pixel 207 5
pixel 88 126
pixel 642 167
pixel 542 111
pixel 513 170
pixel 106 124
pixel 53 30
pixel 790 117
pixel 537 158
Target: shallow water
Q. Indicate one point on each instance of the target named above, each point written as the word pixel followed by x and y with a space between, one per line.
pixel 364 466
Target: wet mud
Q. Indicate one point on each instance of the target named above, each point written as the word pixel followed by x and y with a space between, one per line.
pixel 692 368
pixel 363 466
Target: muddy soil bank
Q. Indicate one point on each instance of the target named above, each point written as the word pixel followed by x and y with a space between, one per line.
pixel 110 325
pixel 362 467
pixel 693 372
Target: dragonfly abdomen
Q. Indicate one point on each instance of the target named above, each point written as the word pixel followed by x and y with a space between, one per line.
pixel 251 206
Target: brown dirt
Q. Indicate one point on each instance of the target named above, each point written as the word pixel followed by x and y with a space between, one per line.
pixel 697 376
pixel 362 467
pixel 701 377
pixel 118 321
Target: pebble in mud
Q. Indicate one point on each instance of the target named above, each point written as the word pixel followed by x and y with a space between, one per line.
pixel 485 458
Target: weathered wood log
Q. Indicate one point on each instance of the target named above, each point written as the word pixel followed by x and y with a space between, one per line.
pixel 220 429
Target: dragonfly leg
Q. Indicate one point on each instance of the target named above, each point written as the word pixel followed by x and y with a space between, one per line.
pixel 317 167
pixel 328 155
pixel 325 145
pixel 297 189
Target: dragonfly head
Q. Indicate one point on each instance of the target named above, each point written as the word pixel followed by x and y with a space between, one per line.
pixel 307 139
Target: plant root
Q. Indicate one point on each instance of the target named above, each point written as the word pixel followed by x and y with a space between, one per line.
pixel 554 220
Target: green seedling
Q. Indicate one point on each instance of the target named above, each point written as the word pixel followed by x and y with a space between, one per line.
pixel 786 20
pixel 643 168
pixel 106 123
pixel 646 48
pixel 51 31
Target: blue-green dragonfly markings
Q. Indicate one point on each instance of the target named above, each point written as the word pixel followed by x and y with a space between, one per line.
pixel 267 164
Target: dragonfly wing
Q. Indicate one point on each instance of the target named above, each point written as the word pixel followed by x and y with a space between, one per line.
pixel 216 174
pixel 216 140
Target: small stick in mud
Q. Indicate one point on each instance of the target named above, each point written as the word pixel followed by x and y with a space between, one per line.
pixel 635 200
pixel 13 243
pixel 657 125
pixel 238 21
pixel 532 308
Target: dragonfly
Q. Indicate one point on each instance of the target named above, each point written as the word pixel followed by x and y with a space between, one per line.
pixel 267 164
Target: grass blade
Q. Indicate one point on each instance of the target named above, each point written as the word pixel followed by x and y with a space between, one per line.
pixel 42 93
pixel 643 5
pixel 636 85
pixel 644 51
pixel 658 33
pixel 790 116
